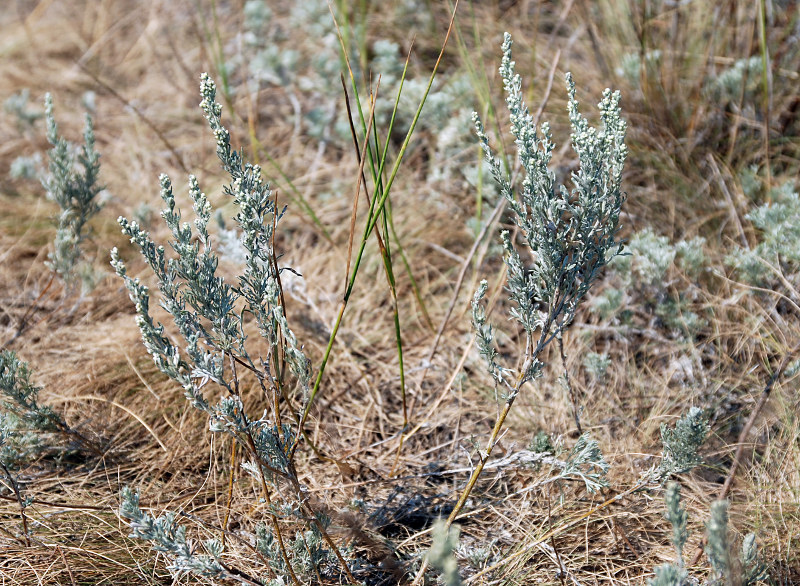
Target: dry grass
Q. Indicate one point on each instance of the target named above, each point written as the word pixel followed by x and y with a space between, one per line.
pixel 143 60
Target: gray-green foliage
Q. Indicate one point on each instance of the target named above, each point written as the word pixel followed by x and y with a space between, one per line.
pixel 677 517
pixel 676 314
pixel 26 167
pixel 681 444
pixel 17 105
pixel 631 66
pixel 20 397
pixel 444 541
pixel 753 567
pixel 669 575
pixel 72 182
pixel 31 427
pixel 210 315
pixel 541 443
pixel 717 546
pixel 607 303
pixel 739 81
pixel 778 224
pixel 27 428
pixel 650 257
pixel 206 309
pixel 166 536
pixel 691 257
pixel 309 65
pixel 569 234
pixel 586 463
pixel 596 365
pixel 644 274
pixel 306 550
pixel 748 569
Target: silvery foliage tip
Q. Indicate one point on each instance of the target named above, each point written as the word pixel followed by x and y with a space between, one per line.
pixel 444 542
pixel 750 570
pixel 166 536
pixel 717 548
pixel 681 444
pixel 674 574
pixel 74 188
pixel 572 233
pixel 208 311
pixel 586 463
pixel 677 517
pixel 669 575
pixel 754 569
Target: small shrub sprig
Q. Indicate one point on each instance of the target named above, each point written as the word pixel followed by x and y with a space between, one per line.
pixel 27 427
pixel 71 182
pixel 168 537
pixel 748 570
pixel 210 316
pixel 569 235
pixel 440 555
pixel 681 444
pixel 24 415
pixel 20 396
pixel 74 189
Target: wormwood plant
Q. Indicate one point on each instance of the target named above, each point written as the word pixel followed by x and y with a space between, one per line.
pixel 210 315
pixel 28 428
pixel 680 445
pixel 72 183
pixel 568 235
pixel 747 570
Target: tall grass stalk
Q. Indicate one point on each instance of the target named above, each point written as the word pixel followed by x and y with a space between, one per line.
pixel 373 216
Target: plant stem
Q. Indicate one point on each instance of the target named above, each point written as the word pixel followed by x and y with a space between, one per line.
pixel 573 399
pixel 23 516
pixel 275 525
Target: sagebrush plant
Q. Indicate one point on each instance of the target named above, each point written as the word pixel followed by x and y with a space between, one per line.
pixel 778 250
pixel 568 235
pixel 681 444
pixel 168 537
pixel 211 317
pixel 17 105
pixel 25 419
pixel 648 277
pixel 747 570
pixel 72 183
pixel 21 396
pixel 29 429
